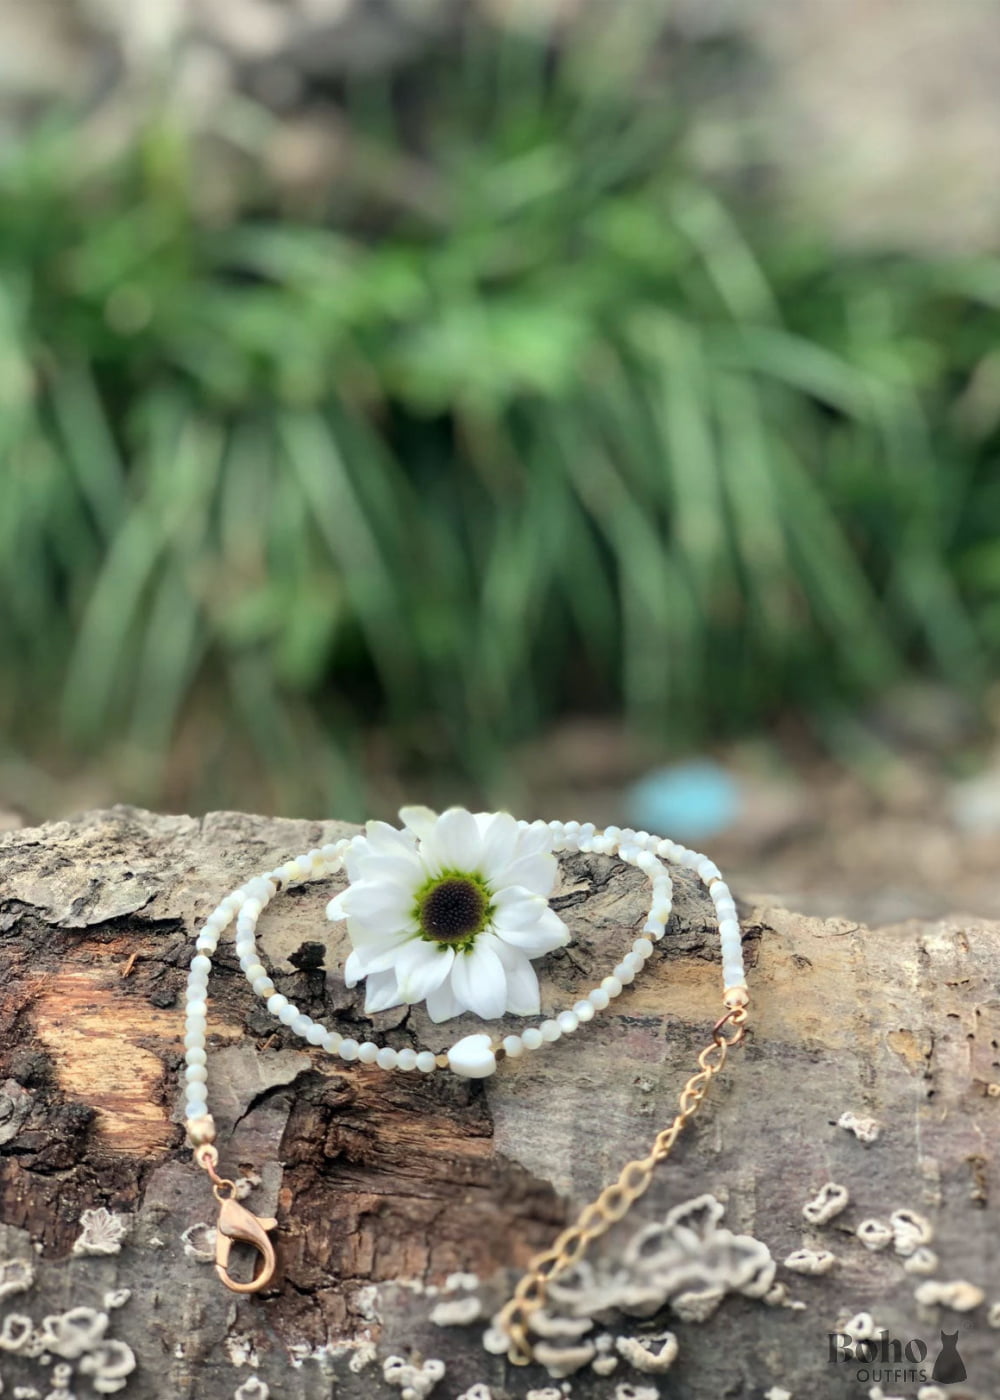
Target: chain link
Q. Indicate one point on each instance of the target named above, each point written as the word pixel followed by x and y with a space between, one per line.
pixel 616 1200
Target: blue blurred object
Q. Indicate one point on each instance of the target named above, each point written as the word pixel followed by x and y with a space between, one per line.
pixel 689 801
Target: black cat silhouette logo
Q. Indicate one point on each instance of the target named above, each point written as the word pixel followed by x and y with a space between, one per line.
pixel 949 1366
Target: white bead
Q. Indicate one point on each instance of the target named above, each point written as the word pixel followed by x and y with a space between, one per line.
pixel 613 833
pixel 642 948
pixel 634 962
pixel 196 1006
pixel 550 1031
pixel 647 862
pixel 277 1003
pixel 301 1023
pixel 513 1046
pixel 348 1049
pixel 625 973
pixel 368 1052
pixel 201 964
pixel 315 1033
pixel 288 1014
pixel 472 1057
pixel 331 1042
pixel 195 1055
pixel 254 971
pixel 612 985
pixel 598 998
pixel 206 943
pixel 196 1074
pixel 197 1090
pixel 653 926
pixel 661 912
pixel 426 1062
pixel 406 1059
pixel 568 1022
pixel 729 928
pixel 531 1038
pixel 194 1039
pixel 584 1010
pixel 263 986
pixel 733 974
pixel 386 1058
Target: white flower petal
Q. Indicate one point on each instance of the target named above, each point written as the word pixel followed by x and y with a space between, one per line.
pixel 536 872
pixel 533 839
pixel 523 998
pixel 541 936
pixel 387 905
pixel 384 839
pixel 374 957
pixel 442 1003
pixel 403 872
pixel 381 992
pixel 520 911
pixel 419 820
pixel 499 836
pixel 421 967
pixel 479 979
pixel 454 843
pixel 335 909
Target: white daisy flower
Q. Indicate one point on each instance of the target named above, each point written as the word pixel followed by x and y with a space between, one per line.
pixel 450 910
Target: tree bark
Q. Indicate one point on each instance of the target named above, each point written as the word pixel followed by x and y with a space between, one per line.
pixel 386 1185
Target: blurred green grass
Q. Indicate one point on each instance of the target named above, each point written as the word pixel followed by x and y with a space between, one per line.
pixel 532 420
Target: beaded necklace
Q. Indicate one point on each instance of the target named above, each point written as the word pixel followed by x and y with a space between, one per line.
pixel 473 1056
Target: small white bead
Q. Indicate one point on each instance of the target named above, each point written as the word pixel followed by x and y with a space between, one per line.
pixel 194 1108
pixel 316 1033
pixel 201 964
pixel 331 1042
pixel 196 1074
pixel 386 1058
pixel 733 974
pixel 301 1023
pixel 624 973
pixel 513 1046
pixel 197 1090
pixel 406 1059
pixel 612 985
pixel 653 926
pixel 647 862
pixel 196 1055
pixel 569 1021
pixel 255 971
pixel 635 962
pixel 531 1038
pixel 288 1013
pixel 348 1049
pixel 584 1010
pixel 368 1052
pixel 550 1031
pixel 661 912
pixel 263 986
pixel 426 1062
pixel 642 948
pixel 277 1003
pixel 196 1006
pixel 729 928
pixel 613 833
pixel 598 998
pixel 194 1039
pixel 206 943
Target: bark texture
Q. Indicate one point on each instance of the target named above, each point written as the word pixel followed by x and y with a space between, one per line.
pixel 387 1185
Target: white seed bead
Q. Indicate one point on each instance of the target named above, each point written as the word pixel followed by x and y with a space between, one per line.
pixel 368 1052
pixel 197 1090
pixel 426 1062
pixel 195 1055
pixel 386 1058
pixel 661 912
pixel 194 1039
pixel 513 1046
pixel 733 974
pixel 599 998
pixel 255 970
pixel 406 1059
pixel 531 1038
pixel 550 1031
pixel 197 1006
pixel 584 1010
pixel 288 1014
pixel 612 985
pixel 194 1108
pixel 642 948
pixel 647 862
pixel 348 1049
pixel 625 973
pixel 276 1004
pixel 196 1074
pixel 316 1033
pixel 569 1021
pixel 263 986
pixel 331 1042
pixel 613 833
pixel 301 1023
pixel 654 926
pixel 201 964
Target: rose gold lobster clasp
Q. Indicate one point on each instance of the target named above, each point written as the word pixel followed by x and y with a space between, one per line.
pixel 238 1223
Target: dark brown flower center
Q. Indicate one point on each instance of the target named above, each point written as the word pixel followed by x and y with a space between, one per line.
pixel 452 910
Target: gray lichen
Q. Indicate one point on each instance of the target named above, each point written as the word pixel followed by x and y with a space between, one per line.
pixel 102 1232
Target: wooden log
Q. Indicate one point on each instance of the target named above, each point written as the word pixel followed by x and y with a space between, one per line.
pixel 387 1185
